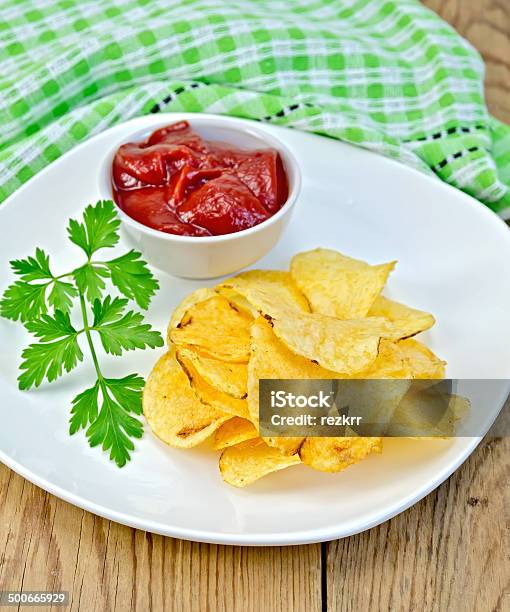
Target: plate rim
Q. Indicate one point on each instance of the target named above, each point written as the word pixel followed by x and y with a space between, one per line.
pixel 265 539
pixel 308 536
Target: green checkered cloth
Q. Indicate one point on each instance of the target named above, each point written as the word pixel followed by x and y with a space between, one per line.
pixel 386 75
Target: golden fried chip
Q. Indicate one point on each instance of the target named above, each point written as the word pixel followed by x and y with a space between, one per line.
pixel 210 395
pixel 375 401
pixel 336 454
pixel 389 363
pixel 216 329
pixel 245 463
pixel 234 431
pixel 237 300
pixel 337 285
pixel 346 347
pixel 407 320
pixel 457 409
pixel 173 410
pixel 230 378
pixel 417 414
pixel 325 319
pixel 271 359
pixel 422 361
pixel 200 295
pixel 262 288
pixel 288 445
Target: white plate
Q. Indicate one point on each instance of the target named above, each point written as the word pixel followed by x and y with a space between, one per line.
pixel 453 261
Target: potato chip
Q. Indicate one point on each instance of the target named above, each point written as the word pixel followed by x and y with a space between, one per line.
pixel 288 445
pixel 271 359
pixel 216 329
pixel 210 395
pixel 458 408
pixel 346 347
pixel 245 463
pixel 407 320
pixel 417 415
pixel 200 295
pixel 336 454
pixel 337 285
pixel 173 410
pixel 263 288
pixel 422 361
pixel 375 401
pixel 389 363
pixel 230 378
pixel 238 301
pixel 324 320
pixel 234 431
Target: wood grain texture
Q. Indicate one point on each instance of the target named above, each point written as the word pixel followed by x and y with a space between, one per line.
pixel 486 24
pixel 449 552
pixel 46 543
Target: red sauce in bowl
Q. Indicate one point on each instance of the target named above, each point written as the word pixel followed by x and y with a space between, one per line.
pixel 179 183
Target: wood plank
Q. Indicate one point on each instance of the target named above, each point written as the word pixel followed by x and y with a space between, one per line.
pixel 46 543
pixel 486 24
pixel 449 552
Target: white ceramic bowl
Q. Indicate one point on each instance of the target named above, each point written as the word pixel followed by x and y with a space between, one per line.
pixel 210 256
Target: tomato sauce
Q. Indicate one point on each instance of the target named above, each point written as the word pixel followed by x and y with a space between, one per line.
pixel 179 183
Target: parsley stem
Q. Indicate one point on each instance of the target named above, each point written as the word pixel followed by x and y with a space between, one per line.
pixel 87 328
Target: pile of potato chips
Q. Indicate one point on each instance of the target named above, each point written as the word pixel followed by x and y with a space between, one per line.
pixel 324 319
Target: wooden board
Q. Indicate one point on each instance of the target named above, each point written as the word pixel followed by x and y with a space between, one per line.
pixel 47 544
pixel 449 552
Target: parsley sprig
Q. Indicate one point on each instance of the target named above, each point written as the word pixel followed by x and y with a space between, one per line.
pixel 44 303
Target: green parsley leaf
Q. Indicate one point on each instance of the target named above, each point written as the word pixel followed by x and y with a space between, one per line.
pixel 33 268
pixel 125 332
pixel 89 280
pixel 48 328
pixel 99 228
pixel 61 295
pixel 85 409
pixel 132 277
pixel 108 310
pixel 128 333
pixel 23 301
pixel 48 359
pixel 127 392
pixel 107 410
pixel 113 429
